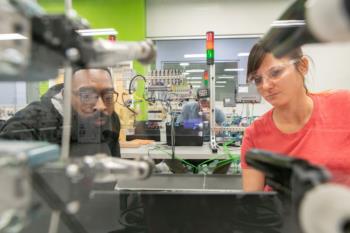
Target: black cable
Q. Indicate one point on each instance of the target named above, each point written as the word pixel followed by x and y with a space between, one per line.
pixel 123 218
pixel 132 82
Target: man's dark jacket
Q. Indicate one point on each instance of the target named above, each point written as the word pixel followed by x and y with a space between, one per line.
pixel 41 121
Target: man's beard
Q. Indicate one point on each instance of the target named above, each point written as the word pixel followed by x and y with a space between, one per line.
pixel 87 129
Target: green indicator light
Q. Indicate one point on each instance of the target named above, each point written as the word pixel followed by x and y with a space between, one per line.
pixel 206 82
pixel 210 57
pixel 210 54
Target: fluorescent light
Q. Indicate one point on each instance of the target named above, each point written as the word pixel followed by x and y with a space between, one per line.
pixel 196 86
pixel 163 38
pixel 196 82
pixel 234 69
pixel 198 55
pixel 97 32
pixel 243 54
pixel 184 64
pixel 194 78
pixel 12 36
pixel 220 86
pixel 287 23
pixel 226 77
pixel 221 82
pixel 185 73
pixel 194 71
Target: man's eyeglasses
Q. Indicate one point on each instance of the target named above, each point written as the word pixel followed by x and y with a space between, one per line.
pixel 274 73
pixel 90 96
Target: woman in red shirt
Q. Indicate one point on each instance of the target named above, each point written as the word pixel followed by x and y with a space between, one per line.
pixel 314 127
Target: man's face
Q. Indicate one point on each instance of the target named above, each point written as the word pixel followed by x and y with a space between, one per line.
pixel 204 104
pixel 93 95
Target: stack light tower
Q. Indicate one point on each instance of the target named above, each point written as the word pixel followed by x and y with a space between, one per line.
pixel 210 48
pixel 211 64
pixel 206 78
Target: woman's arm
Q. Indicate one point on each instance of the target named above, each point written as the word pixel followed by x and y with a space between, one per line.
pixel 253 180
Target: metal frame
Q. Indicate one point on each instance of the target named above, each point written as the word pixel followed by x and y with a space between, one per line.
pixel 213 144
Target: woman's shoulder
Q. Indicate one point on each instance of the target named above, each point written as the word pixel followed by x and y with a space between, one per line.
pixel 330 93
pixel 332 96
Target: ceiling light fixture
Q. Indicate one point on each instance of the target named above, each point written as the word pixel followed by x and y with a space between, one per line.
pixel 12 36
pixel 243 54
pixel 234 69
pixel 287 23
pixel 226 77
pixel 195 71
pixel 97 32
pixel 198 55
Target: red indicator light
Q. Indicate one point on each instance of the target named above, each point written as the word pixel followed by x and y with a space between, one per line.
pixel 205 75
pixel 210 40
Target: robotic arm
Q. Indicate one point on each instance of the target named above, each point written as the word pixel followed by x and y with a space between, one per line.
pixel 309 21
pixel 314 205
pixel 287 175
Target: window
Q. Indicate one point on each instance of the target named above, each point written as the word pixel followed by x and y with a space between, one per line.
pixel 188 55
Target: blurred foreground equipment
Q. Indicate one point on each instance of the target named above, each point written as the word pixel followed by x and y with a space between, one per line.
pixel 312 204
pixel 309 21
pixel 34 44
pixel 20 166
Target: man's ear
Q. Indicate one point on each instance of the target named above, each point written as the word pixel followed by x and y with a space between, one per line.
pixel 303 66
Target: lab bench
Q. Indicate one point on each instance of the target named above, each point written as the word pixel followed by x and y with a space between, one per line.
pixel 161 151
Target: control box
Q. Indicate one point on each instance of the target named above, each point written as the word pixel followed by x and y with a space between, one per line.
pixel 247 93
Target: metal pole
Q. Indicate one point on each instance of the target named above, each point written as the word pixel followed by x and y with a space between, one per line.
pixel 54 222
pixel 68 7
pixel 66 127
pixel 213 144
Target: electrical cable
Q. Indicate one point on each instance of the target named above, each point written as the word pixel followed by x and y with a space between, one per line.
pixel 211 159
pixel 231 157
pixel 172 133
pixel 123 218
pixel 178 158
pixel 132 82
